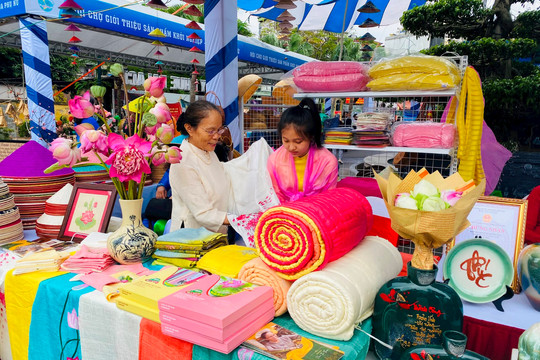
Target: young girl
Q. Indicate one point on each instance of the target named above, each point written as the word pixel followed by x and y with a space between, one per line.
pixel 301 166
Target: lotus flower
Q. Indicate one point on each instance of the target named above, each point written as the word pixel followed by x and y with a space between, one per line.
pixel 73 320
pixel 165 134
pixel 80 129
pixel 432 203
pixel 424 188
pixel 64 151
pixel 128 157
pixel 97 109
pixel 173 155
pixel 116 69
pixel 451 197
pixel 404 200
pixel 81 107
pixel 161 112
pixel 158 155
pixel 154 85
pixel 94 140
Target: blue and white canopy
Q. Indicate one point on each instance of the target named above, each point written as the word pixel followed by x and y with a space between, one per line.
pixel 328 15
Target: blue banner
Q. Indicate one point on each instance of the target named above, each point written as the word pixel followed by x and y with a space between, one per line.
pixel 138 20
pixel 12 7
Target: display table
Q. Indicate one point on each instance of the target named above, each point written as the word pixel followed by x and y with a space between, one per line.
pixel 50 316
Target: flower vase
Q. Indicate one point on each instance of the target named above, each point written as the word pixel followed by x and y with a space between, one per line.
pixel 414 310
pixel 132 242
pixel 529 269
pixel 453 348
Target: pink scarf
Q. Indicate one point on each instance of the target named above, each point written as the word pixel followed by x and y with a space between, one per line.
pixel 320 174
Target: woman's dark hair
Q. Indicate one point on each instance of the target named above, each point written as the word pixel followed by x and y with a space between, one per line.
pixel 193 115
pixel 305 119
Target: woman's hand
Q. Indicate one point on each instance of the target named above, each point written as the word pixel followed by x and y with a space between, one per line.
pixel 161 192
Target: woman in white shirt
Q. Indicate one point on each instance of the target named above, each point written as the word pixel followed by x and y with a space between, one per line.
pixel 200 187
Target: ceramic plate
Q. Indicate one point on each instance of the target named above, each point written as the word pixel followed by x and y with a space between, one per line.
pixel 479 270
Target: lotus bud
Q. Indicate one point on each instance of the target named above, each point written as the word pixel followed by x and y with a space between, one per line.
pixel 405 201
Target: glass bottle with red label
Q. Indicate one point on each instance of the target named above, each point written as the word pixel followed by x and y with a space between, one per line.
pixel 414 310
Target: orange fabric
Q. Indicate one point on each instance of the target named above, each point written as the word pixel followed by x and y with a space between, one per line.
pixel 153 344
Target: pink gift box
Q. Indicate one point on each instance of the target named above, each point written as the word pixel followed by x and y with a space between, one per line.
pixel 228 344
pixel 216 301
pixel 216 333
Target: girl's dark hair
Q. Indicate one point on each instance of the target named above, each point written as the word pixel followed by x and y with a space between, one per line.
pixel 193 115
pixel 305 119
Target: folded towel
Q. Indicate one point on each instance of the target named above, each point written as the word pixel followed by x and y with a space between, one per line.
pixel 257 272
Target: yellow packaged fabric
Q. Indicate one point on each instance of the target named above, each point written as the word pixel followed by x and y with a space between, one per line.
pixel 414 64
pixel 226 260
pixel 20 293
pixel 414 81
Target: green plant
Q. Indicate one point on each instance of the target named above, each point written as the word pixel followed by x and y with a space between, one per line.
pixel 22 130
pixel 5 133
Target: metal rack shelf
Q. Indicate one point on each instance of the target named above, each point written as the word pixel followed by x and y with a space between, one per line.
pixel 379 94
pixel 394 149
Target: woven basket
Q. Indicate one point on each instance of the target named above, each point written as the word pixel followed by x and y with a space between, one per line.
pixel 158 171
pixel 7 147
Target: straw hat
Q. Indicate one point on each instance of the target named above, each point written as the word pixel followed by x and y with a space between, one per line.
pixel 247 86
pixel 284 91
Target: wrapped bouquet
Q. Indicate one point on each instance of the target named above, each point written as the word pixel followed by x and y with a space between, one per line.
pixel 428 209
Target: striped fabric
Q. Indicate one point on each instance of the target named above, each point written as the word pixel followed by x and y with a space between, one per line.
pixel 324 15
pixel 37 72
pixel 221 57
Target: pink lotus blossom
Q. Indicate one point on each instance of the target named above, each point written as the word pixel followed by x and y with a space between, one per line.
pixel 64 151
pixel 81 107
pixel 162 112
pixel 154 85
pixel 79 129
pixel 87 216
pixel 105 113
pixel 173 155
pixel 165 134
pixel 128 157
pixel 73 320
pixel 158 155
pixel 451 197
pixel 94 140
pixel 151 130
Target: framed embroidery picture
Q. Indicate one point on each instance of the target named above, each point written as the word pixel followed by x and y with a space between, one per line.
pixel 89 210
pixel 502 222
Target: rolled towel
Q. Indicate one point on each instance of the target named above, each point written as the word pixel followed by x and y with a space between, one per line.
pixel 257 272
pixel 304 235
pixel 330 302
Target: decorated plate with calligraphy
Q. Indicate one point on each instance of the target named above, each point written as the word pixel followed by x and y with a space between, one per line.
pixel 479 270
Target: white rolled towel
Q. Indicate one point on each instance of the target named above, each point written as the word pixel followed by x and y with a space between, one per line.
pixel 330 302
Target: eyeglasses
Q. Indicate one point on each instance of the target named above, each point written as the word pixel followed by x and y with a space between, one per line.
pixel 219 131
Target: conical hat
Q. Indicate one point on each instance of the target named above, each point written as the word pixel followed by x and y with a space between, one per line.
pixel 284 92
pixel 29 161
pixel 248 85
pixel 62 196
pixel 46 219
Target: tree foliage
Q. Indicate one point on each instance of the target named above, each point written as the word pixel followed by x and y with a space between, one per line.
pixel 320 45
pixel 454 18
pixel 487 54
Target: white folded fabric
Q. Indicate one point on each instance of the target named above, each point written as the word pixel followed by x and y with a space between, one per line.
pixel 330 302
pixel 106 331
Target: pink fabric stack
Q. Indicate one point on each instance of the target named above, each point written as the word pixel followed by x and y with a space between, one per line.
pixel 88 260
pixel 216 312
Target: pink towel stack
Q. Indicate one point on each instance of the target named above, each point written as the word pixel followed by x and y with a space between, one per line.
pixel 216 312
pixel 88 260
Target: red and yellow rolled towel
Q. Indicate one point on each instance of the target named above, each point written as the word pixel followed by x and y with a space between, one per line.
pixel 299 237
pixel 257 272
